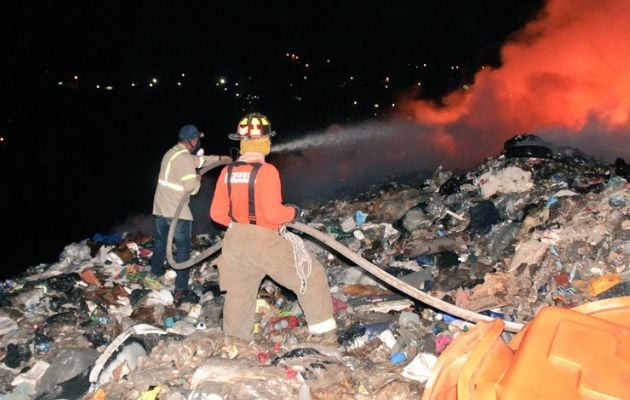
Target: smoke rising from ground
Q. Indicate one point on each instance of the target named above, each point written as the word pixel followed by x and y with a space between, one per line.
pixel 325 164
pixel 563 76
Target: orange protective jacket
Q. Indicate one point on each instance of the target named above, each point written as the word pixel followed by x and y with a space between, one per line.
pixel 269 212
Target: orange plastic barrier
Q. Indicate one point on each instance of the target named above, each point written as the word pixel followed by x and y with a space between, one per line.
pixel 580 353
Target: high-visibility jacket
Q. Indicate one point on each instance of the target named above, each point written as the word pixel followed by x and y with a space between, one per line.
pixel 250 193
pixel 178 176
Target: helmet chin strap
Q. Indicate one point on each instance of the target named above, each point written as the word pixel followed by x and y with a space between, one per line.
pixel 195 148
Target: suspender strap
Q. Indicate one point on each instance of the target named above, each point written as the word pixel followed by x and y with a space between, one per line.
pixel 251 184
pixel 229 190
pixel 252 197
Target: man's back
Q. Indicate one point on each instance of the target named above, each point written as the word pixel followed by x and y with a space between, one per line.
pixel 233 196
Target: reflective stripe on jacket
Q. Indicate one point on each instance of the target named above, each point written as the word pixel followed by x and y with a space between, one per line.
pixel 178 176
pixel 269 210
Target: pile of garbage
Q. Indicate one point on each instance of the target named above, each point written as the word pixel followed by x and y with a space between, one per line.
pixel 535 226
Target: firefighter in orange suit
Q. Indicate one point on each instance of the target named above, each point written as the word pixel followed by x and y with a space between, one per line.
pixel 248 200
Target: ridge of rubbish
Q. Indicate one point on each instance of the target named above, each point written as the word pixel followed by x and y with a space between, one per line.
pixel 529 228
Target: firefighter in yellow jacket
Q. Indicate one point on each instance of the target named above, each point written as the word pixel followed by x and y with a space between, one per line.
pixel 248 200
pixel 178 177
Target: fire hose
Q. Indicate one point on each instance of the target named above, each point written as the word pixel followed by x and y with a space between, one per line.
pixel 330 242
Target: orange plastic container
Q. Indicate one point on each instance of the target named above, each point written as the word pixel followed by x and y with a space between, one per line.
pixel 582 353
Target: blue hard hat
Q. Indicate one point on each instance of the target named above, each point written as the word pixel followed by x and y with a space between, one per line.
pixel 189 132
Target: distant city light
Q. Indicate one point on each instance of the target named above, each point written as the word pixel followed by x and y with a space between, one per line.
pixel 1 138
pixel 301 89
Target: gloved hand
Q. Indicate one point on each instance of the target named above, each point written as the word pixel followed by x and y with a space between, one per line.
pixel 299 213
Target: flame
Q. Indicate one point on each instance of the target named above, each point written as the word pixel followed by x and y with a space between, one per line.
pixel 565 74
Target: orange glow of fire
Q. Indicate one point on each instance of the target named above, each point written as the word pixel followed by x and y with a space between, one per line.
pixel 564 70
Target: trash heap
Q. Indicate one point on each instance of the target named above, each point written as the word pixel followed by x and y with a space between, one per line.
pixel 535 226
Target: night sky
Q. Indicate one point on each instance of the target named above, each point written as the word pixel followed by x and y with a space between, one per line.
pixel 94 92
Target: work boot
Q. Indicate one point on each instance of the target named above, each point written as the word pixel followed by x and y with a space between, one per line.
pixel 181 296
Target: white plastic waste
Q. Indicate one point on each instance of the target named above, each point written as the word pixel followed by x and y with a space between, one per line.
pixel 419 369
pixel 507 180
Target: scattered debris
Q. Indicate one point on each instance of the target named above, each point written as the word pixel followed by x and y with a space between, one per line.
pixel 533 227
